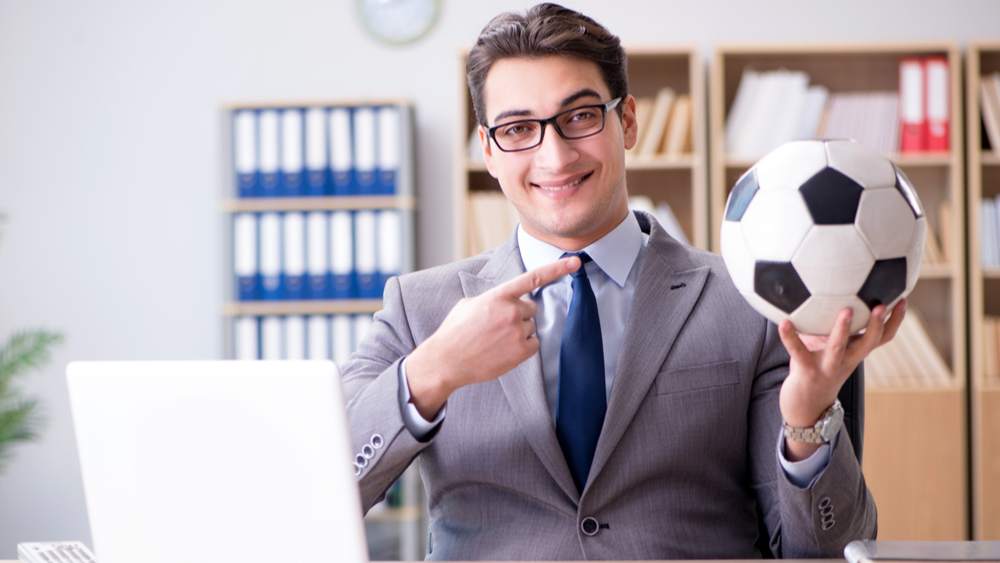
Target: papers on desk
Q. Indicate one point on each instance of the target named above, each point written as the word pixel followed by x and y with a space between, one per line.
pixel 864 551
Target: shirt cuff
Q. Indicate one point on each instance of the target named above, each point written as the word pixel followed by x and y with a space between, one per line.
pixel 421 428
pixel 802 473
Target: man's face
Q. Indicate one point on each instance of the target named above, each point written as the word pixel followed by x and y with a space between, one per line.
pixel 567 192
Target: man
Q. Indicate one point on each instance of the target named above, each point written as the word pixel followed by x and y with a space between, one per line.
pixel 623 402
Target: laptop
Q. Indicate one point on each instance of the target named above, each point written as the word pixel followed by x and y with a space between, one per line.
pixel 210 462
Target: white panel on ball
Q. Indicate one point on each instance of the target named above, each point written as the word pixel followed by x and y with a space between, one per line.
pixel 886 222
pixel 833 260
pixel 916 255
pixel 791 164
pixel 739 261
pixel 775 223
pixel 819 313
pixel 861 164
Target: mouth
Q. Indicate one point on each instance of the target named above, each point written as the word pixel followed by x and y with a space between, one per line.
pixel 563 187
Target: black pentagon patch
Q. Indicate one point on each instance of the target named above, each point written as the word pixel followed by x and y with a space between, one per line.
pixel 905 187
pixel 832 197
pixel 741 196
pixel 779 284
pixel 885 282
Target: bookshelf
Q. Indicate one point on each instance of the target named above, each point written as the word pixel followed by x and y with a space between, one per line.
pixel 395 527
pixel 914 426
pixel 678 180
pixel 984 301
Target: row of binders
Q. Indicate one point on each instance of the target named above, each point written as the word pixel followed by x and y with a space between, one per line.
pixel 321 150
pixel 989 232
pixel 773 107
pixel 991 350
pixel 664 123
pixel 909 360
pixel 299 337
pixel 989 94
pixel 319 254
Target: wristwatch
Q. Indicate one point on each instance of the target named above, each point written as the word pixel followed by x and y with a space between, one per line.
pixel 823 431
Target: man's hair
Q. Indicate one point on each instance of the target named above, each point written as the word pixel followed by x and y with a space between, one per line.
pixel 544 30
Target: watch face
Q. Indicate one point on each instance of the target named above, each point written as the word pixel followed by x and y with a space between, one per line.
pixel 832 423
pixel 398 21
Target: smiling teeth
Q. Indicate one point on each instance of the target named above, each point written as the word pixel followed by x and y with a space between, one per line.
pixel 563 187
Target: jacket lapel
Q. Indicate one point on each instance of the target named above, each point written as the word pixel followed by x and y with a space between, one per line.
pixel 668 287
pixel 523 386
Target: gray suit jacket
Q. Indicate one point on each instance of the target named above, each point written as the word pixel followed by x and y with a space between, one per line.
pixel 686 465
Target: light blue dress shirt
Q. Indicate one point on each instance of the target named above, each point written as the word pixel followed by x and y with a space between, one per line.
pixel 613 273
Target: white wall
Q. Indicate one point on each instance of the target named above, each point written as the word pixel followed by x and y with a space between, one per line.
pixel 111 164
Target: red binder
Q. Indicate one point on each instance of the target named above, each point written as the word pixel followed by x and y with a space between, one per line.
pixel 937 79
pixel 912 108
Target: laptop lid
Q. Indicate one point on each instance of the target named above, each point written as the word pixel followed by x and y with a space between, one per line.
pixel 216 461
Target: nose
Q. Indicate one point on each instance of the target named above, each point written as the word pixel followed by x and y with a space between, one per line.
pixel 555 152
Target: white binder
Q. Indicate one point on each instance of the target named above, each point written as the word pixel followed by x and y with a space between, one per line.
pixel 341 157
pixel 361 325
pixel 365 148
pixel 295 338
pixel 271 338
pixel 341 336
pixel 317 256
pixel 292 152
pixel 390 244
pixel 318 336
pixel 342 254
pixel 246 339
pixel 316 151
pixel 245 255
pixel 389 149
pixel 270 156
pixel 294 265
pixel 366 260
pixel 270 255
pixel 245 152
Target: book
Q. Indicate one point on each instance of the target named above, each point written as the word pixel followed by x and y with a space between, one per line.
pixel 677 140
pixel 864 551
pixel 657 123
pixel 937 111
pixel 989 100
pixel 643 109
pixel 912 108
pixel 740 110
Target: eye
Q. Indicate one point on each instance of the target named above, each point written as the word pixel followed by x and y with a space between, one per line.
pixel 584 115
pixel 516 129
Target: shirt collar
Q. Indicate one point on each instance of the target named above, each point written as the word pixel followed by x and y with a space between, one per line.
pixel 614 253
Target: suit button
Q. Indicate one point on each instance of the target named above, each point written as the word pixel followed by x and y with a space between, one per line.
pixel 368 451
pixel 825 502
pixel 376 441
pixel 590 526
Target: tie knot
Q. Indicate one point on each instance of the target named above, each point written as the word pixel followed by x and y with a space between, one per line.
pixel 584 258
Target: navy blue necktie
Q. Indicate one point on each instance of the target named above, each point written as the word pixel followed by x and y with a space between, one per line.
pixel 582 402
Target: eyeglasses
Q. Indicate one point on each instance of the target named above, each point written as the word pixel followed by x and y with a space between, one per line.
pixel 572 124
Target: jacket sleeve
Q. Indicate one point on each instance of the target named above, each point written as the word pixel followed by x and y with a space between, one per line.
pixel 382 446
pixel 836 507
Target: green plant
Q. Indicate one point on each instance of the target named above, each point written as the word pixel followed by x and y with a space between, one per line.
pixel 19 419
pixel 24 350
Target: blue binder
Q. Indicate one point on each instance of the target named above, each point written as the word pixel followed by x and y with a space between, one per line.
pixel 317 170
pixel 318 255
pixel 365 130
pixel 292 177
pixel 389 149
pixel 270 256
pixel 342 259
pixel 268 129
pixel 366 258
pixel 245 256
pixel 293 265
pixel 245 152
pixel 341 152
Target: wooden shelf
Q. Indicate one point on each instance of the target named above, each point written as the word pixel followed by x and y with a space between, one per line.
pixel 939 296
pixel 936 271
pixel 982 59
pixel 318 203
pixel 904 160
pixel 395 515
pixel 317 307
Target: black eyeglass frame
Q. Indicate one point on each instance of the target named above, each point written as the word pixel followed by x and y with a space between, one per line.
pixel 604 107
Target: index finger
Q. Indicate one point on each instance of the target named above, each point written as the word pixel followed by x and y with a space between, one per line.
pixel 530 281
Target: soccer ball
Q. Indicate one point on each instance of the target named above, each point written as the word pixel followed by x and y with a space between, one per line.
pixel 817 226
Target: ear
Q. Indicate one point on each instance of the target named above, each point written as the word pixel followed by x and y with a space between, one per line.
pixel 630 126
pixel 484 143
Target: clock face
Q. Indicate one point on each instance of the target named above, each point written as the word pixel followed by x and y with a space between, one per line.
pixel 398 21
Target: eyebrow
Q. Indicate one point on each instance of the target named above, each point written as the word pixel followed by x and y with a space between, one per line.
pixel 582 93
